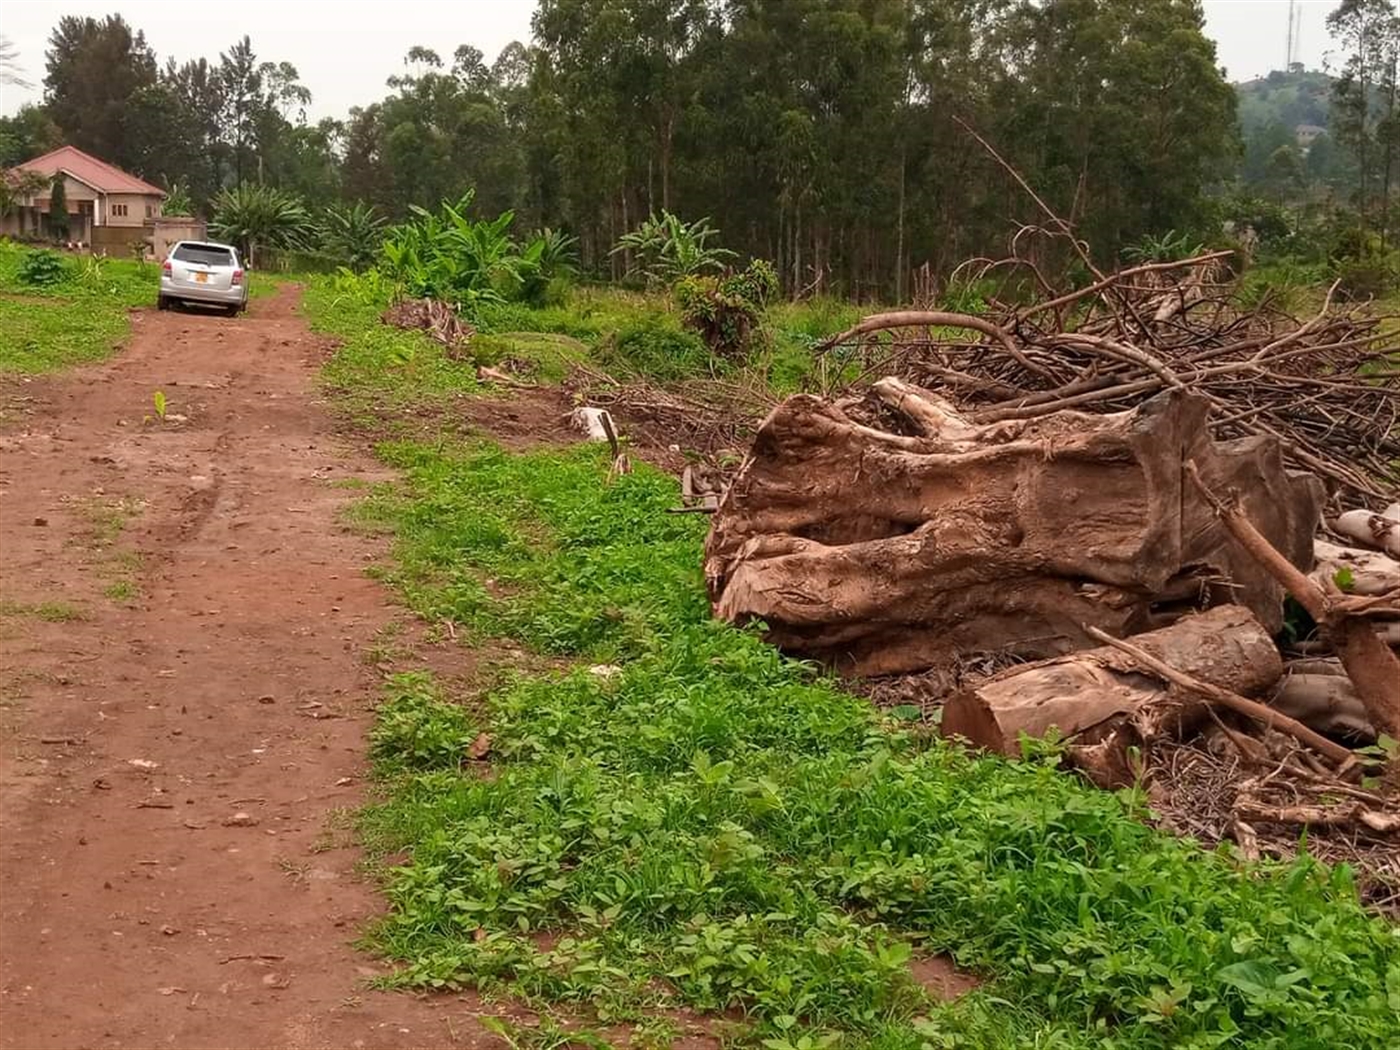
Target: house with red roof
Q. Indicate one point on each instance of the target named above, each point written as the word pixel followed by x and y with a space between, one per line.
pixel 98 195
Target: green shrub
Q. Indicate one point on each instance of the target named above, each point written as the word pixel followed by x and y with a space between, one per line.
pixel 418 730
pixel 726 310
pixel 664 248
pixel 1287 284
pixel 352 234
pixel 42 269
pixel 255 217
pixel 475 264
pixel 657 347
pixel 1367 277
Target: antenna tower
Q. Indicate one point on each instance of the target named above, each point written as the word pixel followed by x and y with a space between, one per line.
pixel 1295 34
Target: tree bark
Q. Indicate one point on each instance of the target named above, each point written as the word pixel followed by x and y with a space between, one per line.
pixel 1326 702
pixel 1370 571
pixel 1374 530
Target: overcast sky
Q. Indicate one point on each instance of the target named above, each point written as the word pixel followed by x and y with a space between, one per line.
pixel 346 49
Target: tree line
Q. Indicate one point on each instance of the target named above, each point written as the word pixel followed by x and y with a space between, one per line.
pixel 828 136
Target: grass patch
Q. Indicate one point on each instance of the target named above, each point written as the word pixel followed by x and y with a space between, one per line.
pixel 48 334
pixel 382 371
pixel 80 318
pixel 716 826
pixel 48 611
pixel 122 590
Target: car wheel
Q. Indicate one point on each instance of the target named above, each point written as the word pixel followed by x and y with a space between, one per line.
pixel 232 311
pixel 162 303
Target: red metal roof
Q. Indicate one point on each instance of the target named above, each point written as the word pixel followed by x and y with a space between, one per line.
pixel 86 168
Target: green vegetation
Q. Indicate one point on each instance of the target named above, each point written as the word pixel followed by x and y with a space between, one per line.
pixel 352 233
pixel 471 262
pixel 817 135
pixel 55 313
pixel 48 611
pixel 255 217
pixel 664 248
pixel 694 820
pixel 61 310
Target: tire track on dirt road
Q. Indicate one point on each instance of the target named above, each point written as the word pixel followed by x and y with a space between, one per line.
pixel 172 758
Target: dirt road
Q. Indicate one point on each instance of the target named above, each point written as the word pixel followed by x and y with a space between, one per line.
pixel 184 699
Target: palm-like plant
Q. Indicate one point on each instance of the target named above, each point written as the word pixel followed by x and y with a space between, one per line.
pixel 177 201
pixel 352 233
pixel 446 255
pixel 666 248
pixel 255 217
pixel 548 260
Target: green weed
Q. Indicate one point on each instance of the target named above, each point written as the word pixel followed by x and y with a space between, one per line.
pixel 122 590
pixel 48 611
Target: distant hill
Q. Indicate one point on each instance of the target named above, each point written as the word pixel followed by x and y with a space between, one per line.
pixel 1297 97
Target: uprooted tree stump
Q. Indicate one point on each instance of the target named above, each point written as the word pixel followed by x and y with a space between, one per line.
pixel 893 548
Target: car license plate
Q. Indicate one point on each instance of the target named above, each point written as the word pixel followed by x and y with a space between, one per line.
pixel 201 278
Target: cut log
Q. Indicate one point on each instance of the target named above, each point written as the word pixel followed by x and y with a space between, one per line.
pixel 1324 700
pixel 1375 530
pixel 1090 695
pixel 1371 572
pixel 881 552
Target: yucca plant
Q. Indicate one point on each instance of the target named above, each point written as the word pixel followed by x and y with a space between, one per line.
pixel 353 233
pixel 255 217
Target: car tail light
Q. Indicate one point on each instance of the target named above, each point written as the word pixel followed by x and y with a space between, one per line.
pixel 165 267
pixel 237 276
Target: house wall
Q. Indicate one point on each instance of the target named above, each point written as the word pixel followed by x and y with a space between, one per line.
pixel 134 205
pixel 73 190
pixel 165 233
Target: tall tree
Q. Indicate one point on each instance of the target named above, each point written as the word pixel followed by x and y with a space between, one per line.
pixel 27 134
pixel 1368 35
pixel 58 208
pixel 241 87
pixel 94 70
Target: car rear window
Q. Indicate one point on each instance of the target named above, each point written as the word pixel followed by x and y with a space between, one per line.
pixel 204 255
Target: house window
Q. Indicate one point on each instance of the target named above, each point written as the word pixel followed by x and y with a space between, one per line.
pixel 149 211
pixel 118 209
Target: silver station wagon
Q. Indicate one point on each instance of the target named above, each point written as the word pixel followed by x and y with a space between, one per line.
pixel 204 272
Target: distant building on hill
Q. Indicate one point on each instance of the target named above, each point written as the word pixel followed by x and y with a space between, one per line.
pixel 1306 134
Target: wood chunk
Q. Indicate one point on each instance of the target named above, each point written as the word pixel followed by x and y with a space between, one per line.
pixel 1095 691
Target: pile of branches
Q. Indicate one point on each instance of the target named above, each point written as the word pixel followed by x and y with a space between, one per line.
pixel 709 416
pixel 436 318
pixel 1327 388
